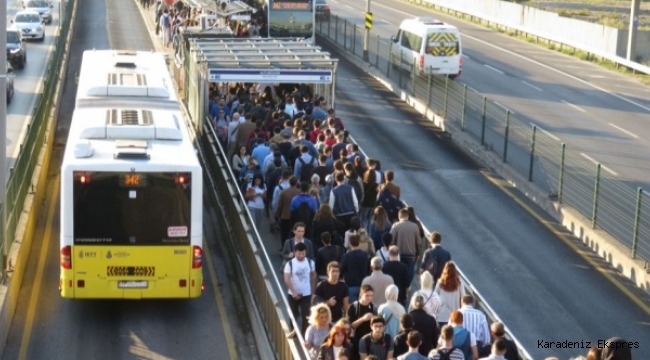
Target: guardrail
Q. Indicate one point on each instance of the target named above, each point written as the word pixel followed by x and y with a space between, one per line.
pixel 612 205
pixel 19 184
pixel 269 295
pixel 461 8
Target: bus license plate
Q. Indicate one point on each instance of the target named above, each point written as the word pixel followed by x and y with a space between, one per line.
pixel 133 284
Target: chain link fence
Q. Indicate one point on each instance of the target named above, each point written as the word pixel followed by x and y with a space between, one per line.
pixel 612 205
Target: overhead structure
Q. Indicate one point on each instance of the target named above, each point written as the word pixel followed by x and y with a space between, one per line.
pixel 251 60
pixel 222 8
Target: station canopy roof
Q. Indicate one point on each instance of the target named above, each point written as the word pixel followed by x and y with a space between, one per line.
pixel 262 53
pixel 221 7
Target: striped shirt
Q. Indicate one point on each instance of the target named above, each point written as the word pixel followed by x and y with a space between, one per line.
pixel 474 320
pixel 455 355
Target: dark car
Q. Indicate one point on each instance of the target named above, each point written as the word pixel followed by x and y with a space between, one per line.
pixel 16 49
pixel 322 10
pixel 10 83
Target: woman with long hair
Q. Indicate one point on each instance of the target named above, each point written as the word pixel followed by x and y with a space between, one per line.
pixel 379 225
pixel 324 221
pixel 337 341
pixel 412 218
pixel 369 198
pixel 365 242
pixel 239 160
pixel 432 303
pixel 391 311
pixel 320 318
pixel 450 290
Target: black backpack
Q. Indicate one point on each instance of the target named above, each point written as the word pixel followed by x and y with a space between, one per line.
pixel 304 214
pixel 368 341
pixel 445 354
pixel 307 169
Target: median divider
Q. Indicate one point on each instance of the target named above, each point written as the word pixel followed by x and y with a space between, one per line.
pixel 28 179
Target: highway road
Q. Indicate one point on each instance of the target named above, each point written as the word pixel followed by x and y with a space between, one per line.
pixel 599 114
pixel 48 327
pixel 27 83
pixel 539 286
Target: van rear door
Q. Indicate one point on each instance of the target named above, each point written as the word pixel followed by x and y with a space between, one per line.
pixel 443 51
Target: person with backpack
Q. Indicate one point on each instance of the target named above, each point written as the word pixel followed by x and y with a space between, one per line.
pixel 303 209
pixel 435 259
pixel 463 339
pixel 304 165
pixel 425 324
pixel 300 279
pixel 432 301
pixel 166 27
pixel 413 340
pixel 360 313
pixel 377 343
pixel 447 351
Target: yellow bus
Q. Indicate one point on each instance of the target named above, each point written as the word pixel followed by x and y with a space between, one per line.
pixel 131 185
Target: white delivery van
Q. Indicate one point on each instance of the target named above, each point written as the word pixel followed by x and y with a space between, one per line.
pixel 428 44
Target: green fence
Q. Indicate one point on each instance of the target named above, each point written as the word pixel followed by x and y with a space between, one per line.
pixel 19 184
pixel 612 205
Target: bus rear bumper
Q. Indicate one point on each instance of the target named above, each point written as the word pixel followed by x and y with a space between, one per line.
pixel 167 288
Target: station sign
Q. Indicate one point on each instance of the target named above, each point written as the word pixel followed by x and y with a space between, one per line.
pixel 271 75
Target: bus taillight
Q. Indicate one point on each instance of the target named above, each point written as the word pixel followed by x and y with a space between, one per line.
pixel 66 257
pixel 197 260
pixel 421 62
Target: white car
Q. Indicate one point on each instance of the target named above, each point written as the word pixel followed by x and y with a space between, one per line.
pixel 30 25
pixel 42 7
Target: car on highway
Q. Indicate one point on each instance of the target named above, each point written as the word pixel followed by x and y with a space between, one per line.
pixel 16 49
pixel 30 24
pixel 10 83
pixel 322 10
pixel 42 7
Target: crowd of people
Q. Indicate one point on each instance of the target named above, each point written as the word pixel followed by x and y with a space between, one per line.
pixel 349 245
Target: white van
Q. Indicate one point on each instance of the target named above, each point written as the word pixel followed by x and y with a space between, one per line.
pixel 431 45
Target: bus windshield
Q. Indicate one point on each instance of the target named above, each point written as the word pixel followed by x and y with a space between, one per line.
pixel 132 208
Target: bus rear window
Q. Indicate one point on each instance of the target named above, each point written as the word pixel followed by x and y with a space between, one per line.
pixel 132 208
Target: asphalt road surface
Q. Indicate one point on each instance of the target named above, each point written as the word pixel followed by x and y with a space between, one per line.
pixel 537 284
pixel 28 82
pixel 599 114
pixel 48 327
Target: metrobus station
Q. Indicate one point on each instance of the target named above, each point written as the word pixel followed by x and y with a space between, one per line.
pixel 253 61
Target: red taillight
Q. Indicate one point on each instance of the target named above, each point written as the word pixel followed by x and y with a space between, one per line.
pixel 197 260
pixel 66 258
pixel 460 61
pixel 326 7
pixel 421 62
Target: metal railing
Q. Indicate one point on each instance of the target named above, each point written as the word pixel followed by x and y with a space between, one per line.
pixel 612 205
pixel 19 183
pixel 269 295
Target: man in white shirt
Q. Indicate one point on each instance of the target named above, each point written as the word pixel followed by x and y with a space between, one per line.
pixel 300 279
pixel 475 321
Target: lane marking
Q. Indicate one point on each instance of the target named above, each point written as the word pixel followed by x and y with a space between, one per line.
pixel 531 85
pixel 467 57
pixel 545 132
pixel 625 131
pixel 349 7
pixel 223 314
pixel 533 62
pixel 503 107
pixel 574 106
pixel 494 69
pixel 601 165
pixel 587 256
pixel 472 89
pixel 40 269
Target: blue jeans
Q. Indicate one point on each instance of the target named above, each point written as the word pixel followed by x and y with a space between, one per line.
pixel 366 216
pixel 354 293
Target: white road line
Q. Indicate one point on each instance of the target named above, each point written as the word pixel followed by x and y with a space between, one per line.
pixel 574 106
pixel 467 57
pixel 349 6
pixel 546 132
pixel 601 165
pixel 565 74
pixel 472 89
pixel 503 107
pixel 531 85
pixel 494 69
pixel 625 131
